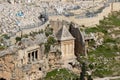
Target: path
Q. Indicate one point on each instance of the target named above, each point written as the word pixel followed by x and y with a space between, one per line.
pixel 107 78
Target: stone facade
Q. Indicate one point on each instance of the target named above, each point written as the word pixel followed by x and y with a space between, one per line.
pixel 27 64
pixel 30 62
pixel 67 49
pixel 66 43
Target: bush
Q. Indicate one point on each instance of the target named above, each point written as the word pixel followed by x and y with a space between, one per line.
pixel 47 47
pixel 61 74
pixel 48 31
pixel 6 36
pixel 51 40
pixel 2 47
pixel 18 39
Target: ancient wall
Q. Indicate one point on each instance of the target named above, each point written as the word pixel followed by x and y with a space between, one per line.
pixel 56 25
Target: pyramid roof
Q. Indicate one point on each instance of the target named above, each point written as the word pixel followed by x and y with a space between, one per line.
pixel 64 34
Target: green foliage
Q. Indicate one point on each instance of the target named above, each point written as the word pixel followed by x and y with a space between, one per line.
pixel 104 50
pixel 6 36
pixel 48 31
pixel 100 59
pixel 91 43
pixel 83 73
pixel 89 77
pixel 114 19
pixel 50 41
pixel 47 47
pixel 35 33
pixel 2 48
pixel 61 74
pixel 95 29
pixel 18 39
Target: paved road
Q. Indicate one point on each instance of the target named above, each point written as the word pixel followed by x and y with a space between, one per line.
pixel 108 78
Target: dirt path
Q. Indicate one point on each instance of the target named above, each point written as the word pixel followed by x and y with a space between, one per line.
pixel 108 78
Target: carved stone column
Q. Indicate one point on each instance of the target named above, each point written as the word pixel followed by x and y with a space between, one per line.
pixel 34 56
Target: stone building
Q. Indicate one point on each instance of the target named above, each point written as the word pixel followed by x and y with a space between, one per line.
pixel 32 62
pixel 66 42
pixel 29 61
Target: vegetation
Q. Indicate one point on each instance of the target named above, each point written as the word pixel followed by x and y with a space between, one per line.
pixel 50 41
pixel 83 72
pixel 99 60
pixel 48 31
pixel 61 74
pixel 18 39
pixel 2 47
pixel 6 36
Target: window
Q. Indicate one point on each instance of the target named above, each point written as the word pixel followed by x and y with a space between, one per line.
pixel 36 54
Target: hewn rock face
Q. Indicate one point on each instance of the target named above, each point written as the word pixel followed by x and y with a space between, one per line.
pixel 19 67
pixel 29 61
pixel 74 30
pixel 79 41
pixel 6 66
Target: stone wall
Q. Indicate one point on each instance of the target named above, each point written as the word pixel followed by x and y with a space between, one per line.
pixel 56 25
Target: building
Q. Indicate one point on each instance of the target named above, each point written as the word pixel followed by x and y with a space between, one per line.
pixel 66 42
pixel 28 60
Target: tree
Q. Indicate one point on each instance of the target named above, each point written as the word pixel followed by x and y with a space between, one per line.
pixel 6 36
pixel 89 77
pixel 18 39
pixel 51 40
pixel 82 74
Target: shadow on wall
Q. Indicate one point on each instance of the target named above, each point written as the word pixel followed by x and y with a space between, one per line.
pixel 79 41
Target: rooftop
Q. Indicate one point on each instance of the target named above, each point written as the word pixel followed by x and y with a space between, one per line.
pixel 64 34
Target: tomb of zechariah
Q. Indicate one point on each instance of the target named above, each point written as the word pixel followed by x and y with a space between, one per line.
pixel 29 56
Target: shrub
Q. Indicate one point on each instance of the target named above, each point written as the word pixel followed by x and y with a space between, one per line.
pixel 18 39
pixel 6 36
